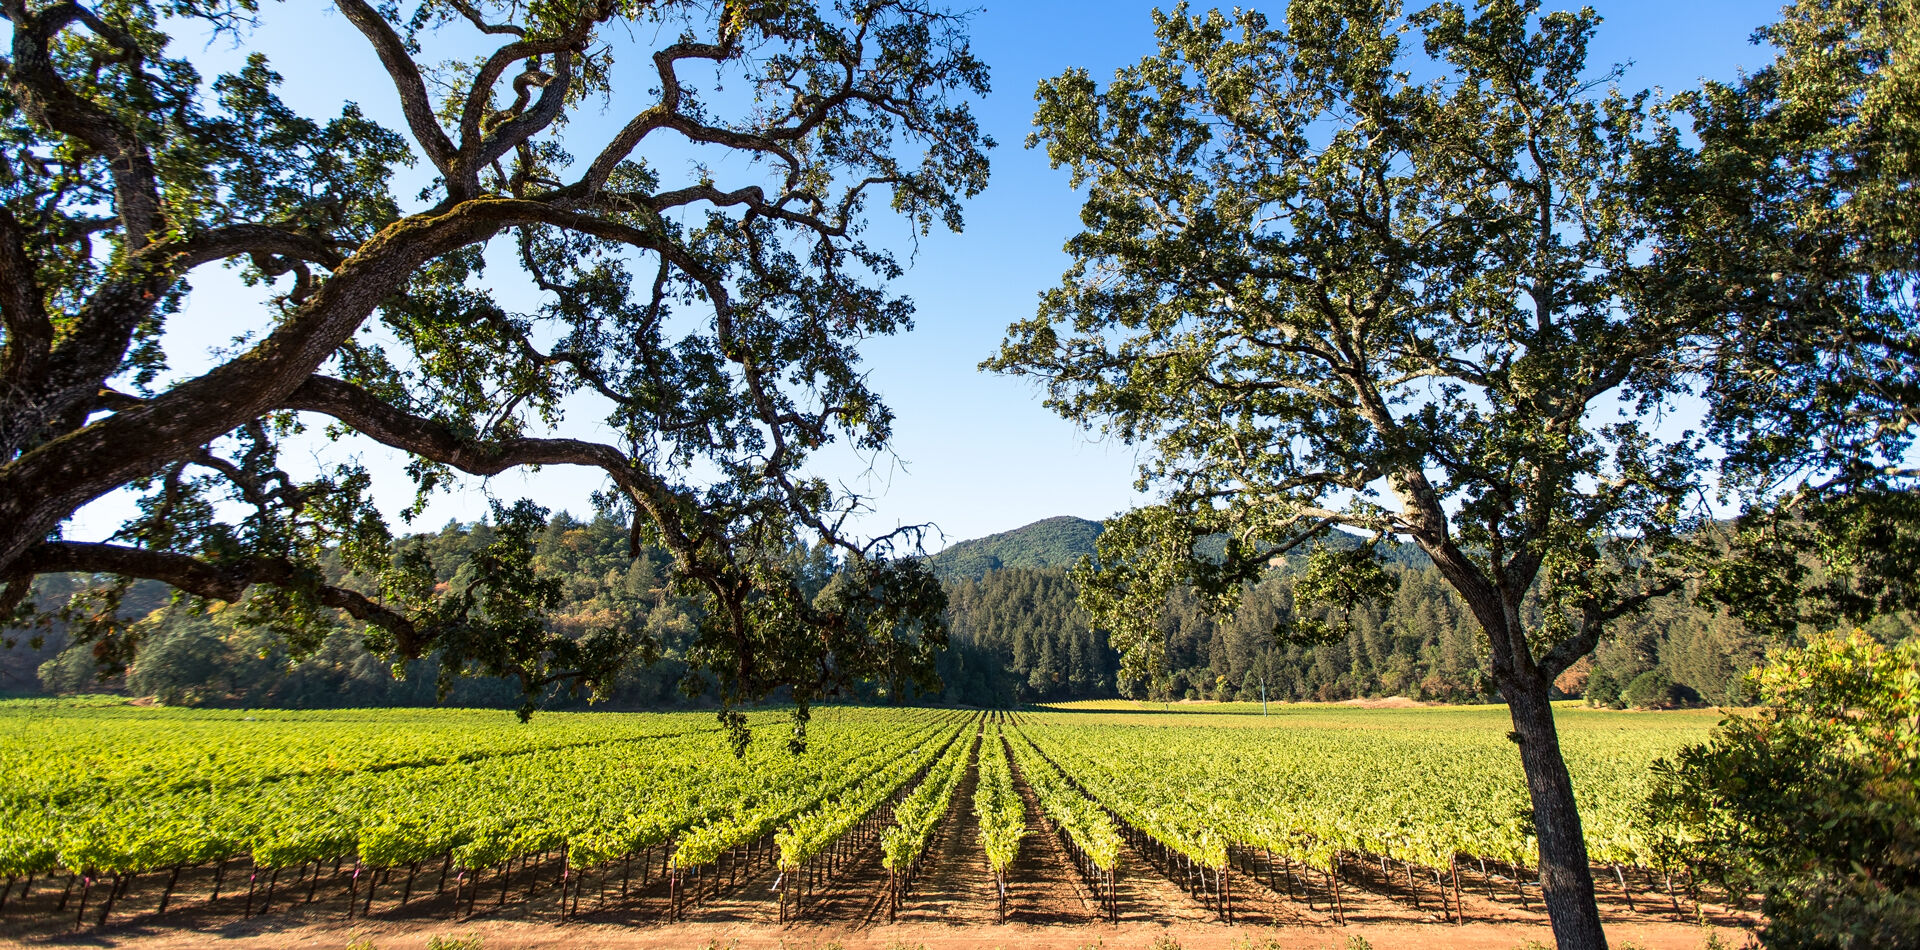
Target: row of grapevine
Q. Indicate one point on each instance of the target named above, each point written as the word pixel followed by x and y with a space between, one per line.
pixel 58 755
pixel 1084 828
pixel 916 816
pixel 802 812
pixel 1002 815
pixel 817 845
pixel 1270 801
pixel 594 806
pixel 1164 826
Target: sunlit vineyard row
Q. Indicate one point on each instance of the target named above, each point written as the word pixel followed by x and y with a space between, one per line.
pixel 594 800
pixel 106 795
pixel 1427 788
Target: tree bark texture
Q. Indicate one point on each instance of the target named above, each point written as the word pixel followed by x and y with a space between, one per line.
pixel 1566 877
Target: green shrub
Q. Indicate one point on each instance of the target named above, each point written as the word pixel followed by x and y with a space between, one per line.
pixel 1649 690
pixel 1602 688
pixel 1815 801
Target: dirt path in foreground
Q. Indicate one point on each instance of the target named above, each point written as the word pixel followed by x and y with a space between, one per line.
pixel 502 934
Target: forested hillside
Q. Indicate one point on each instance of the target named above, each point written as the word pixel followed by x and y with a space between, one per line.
pixel 1017 635
pixel 1053 542
pixel 217 658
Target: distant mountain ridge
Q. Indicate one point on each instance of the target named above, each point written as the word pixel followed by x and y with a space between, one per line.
pixel 1052 542
pixel 1063 540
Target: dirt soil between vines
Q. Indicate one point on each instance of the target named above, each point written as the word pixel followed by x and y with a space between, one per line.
pixel 501 934
pixel 953 907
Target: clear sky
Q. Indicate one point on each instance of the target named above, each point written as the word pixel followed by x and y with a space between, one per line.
pixel 973 453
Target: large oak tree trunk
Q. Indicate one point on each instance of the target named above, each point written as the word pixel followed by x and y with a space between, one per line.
pixel 1565 875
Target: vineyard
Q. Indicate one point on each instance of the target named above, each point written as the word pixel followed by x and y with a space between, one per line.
pixel 175 818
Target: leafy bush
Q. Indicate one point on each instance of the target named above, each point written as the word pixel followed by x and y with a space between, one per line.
pixel 1815 801
pixel 1602 689
pixel 1649 690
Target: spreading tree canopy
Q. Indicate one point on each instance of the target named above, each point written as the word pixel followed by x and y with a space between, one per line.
pixel 1333 284
pixel 1793 209
pixel 712 304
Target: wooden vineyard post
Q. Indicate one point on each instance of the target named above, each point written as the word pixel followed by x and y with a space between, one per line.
pixel 1339 910
pixel 1625 891
pixel 113 891
pixel 86 888
pixel 1460 909
pixel 166 895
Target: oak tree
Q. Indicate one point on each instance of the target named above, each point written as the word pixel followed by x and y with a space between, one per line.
pixel 1790 211
pixel 1330 283
pixel 709 306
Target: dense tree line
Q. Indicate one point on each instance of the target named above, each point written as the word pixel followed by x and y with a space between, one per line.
pixel 1017 634
pixel 223 655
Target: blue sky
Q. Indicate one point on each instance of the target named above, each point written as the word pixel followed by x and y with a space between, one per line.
pixel 973 453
